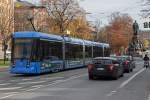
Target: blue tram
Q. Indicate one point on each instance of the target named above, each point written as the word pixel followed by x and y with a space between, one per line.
pixel 36 53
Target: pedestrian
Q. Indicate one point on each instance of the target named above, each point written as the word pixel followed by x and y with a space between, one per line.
pixel 146 61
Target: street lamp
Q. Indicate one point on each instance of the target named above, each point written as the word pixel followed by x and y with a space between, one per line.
pixel 68 32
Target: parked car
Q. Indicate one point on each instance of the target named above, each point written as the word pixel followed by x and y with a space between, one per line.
pixel 105 66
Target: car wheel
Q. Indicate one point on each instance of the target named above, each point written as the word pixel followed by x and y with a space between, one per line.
pixel 122 75
pixel 131 70
pixel 128 71
pixel 91 77
pixel 116 77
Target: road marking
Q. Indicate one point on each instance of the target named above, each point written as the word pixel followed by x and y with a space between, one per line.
pixel 37 86
pixel 149 97
pixel 26 79
pixel 31 82
pixel 131 78
pixel 7 96
pixel 11 88
pixel 11 93
pixel 54 83
pixel 5 84
pixel 50 78
pixel 57 82
pixel 14 80
pixel 111 93
pixel 125 83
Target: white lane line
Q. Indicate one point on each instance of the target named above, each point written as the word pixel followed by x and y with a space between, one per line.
pixel 26 79
pixel 31 82
pixel 11 93
pixel 149 97
pixel 131 78
pixel 125 83
pixel 111 93
pixel 8 96
pixel 5 84
pixel 50 78
pixel 11 88
pixel 54 83
pixel 14 80
pixel 37 86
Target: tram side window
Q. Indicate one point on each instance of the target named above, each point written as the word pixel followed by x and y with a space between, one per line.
pixel 50 50
pixel 88 51
pixel 22 48
pixel 100 51
pixel 107 52
pixel 74 51
pixel 97 51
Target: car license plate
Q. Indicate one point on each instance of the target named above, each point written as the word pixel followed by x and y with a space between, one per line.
pixel 100 68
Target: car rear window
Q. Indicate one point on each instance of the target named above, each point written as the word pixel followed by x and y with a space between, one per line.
pixel 103 61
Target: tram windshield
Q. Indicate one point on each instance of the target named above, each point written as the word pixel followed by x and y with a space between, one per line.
pixel 22 48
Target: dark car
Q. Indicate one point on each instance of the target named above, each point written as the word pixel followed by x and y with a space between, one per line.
pixel 128 63
pixel 105 66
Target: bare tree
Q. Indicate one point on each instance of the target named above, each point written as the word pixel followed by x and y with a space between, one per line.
pixel 146 8
pixel 6 29
pixel 97 28
pixel 63 12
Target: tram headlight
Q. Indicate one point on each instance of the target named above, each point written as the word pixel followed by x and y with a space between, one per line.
pixel 43 65
pixel 28 63
pixel 46 65
pixel 13 64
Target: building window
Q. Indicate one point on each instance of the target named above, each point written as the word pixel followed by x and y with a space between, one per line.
pixel 146 25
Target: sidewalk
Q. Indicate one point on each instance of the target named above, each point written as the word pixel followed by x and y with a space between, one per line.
pixel 5 68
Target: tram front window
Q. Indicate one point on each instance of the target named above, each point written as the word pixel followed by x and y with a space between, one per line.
pixel 22 48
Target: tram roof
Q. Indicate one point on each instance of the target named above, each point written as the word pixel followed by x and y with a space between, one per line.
pixel 73 40
pixel 106 45
pixel 37 35
pixel 57 38
pixel 86 42
pixel 98 44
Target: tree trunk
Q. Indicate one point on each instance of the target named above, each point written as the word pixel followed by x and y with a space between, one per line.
pixel 4 55
pixel 5 48
pixel 61 28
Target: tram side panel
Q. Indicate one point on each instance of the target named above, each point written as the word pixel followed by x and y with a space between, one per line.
pixel 51 56
pixel 73 56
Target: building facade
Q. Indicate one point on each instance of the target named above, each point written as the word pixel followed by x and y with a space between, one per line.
pixel 6 21
pixel 30 17
pixel 145 38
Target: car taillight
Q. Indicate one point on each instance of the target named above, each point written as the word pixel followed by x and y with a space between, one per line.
pixel 110 67
pixel 90 67
pixel 126 62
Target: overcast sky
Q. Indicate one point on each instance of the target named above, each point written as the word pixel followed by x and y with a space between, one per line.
pixel 101 9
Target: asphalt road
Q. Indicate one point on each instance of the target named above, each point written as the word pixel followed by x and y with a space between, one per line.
pixel 74 85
